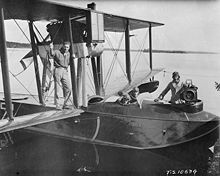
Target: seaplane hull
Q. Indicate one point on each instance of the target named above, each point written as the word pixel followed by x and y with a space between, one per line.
pixel 111 124
pixel 151 126
pixel 114 125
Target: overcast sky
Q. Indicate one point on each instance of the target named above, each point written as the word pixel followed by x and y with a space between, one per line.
pixel 189 25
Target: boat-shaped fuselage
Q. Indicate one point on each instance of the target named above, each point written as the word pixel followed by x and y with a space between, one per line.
pixel 151 126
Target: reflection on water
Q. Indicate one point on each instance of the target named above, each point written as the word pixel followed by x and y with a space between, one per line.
pixel 25 153
pixel 214 164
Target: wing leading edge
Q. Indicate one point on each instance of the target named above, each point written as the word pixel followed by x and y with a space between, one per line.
pixel 39 10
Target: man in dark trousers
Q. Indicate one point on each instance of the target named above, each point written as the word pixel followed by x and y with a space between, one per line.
pixel 61 78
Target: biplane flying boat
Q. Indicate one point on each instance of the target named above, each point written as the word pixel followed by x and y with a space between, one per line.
pixel 97 119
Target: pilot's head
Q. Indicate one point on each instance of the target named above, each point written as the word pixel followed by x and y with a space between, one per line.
pixel 120 93
pixel 136 89
pixel 176 77
pixel 66 46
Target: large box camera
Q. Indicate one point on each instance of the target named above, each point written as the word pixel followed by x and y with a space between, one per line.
pixel 189 92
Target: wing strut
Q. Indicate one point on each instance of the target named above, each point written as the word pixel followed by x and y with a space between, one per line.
pixel 100 74
pixel 95 75
pixel 4 65
pixel 36 68
pixel 127 51
pixel 150 46
pixel 96 63
pixel 72 64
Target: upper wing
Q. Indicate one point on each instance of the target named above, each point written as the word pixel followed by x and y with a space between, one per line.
pixel 116 23
pixel 37 10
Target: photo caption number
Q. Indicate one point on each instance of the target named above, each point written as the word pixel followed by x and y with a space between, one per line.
pixel 181 172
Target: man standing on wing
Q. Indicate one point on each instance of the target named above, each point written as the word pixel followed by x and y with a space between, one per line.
pixel 61 78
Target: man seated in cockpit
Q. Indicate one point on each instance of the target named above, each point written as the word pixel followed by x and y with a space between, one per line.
pixel 124 98
pixel 133 94
pixel 175 86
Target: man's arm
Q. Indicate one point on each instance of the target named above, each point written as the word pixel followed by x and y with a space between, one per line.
pixel 51 52
pixel 164 92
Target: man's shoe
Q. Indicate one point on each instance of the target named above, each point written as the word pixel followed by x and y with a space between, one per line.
pixel 10 119
pixel 67 107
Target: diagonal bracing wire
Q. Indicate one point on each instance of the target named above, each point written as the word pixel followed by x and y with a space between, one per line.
pixel 15 76
pixel 9 70
pixel 23 86
pixel 115 52
pixel 141 47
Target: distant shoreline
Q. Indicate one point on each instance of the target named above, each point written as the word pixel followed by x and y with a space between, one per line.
pixel 17 45
pixel 27 46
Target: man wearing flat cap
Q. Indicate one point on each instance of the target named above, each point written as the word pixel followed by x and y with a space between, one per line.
pixel 175 85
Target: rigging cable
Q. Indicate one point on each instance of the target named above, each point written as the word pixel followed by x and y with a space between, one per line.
pixel 22 31
pixel 15 76
pixel 18 25
pixel 23 86
pixel 47 59
pixel 89 76
pixel 137 55
pixel 29 42
pixel 115 52
pixel 39 32
pixel 139 52
pixel 113 60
